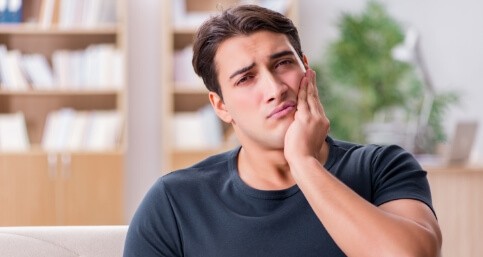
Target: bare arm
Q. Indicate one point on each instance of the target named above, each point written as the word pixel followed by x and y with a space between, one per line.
pixel 397 228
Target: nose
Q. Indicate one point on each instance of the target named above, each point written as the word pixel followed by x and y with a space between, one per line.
pixel 274 87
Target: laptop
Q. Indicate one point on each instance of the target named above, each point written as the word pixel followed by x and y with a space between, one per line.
pixel 461 144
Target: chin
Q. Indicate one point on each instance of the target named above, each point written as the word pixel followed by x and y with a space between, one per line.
pixel 277 143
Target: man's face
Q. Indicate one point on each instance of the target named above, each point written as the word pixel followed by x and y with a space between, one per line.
pixel 259 78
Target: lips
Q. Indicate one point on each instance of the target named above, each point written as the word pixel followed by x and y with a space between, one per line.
pixel 282 110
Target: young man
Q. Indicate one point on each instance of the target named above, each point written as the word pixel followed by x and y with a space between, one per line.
pixel 289 189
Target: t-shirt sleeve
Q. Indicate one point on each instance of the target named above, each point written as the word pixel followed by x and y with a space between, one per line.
pixel 398 175
pixel 153 231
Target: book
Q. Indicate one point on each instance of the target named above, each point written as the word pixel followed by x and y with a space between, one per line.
pixel 86 13
pixel 99 66
pixel 13 76
pixel 184 75
pixel 13 132
pixel 14 11
pixel 60 67
pixel 3 11
pixel 57 128
pixel 66 13
pixel 46 15
pixel 38 71
pixel 4 68
pixel 77 136
pixel 201 129
pixel 187 131
pixel 70 130
pixel 104 131
pixel 211 126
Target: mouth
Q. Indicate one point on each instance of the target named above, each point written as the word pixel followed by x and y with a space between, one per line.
pixel 282 110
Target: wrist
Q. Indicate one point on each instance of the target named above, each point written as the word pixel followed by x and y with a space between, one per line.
pixel 301 166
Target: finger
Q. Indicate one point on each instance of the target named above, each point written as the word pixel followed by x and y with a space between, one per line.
pixel 302 104
pixel 314 80
pixel 313 98
pixel 310 81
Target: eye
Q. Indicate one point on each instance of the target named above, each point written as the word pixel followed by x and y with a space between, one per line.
pixel 244 80
pixel 284 62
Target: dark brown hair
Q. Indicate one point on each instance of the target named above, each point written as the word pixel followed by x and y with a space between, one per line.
pixel 239 20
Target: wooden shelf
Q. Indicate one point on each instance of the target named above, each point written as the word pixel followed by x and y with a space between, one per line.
pixel 185 30
pixel 184 88
pixel 34 29
pixel 60 92
pixel 39 187
pixel 473 168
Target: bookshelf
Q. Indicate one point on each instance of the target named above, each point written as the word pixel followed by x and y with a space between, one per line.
pixel 65 186
pixel 182 91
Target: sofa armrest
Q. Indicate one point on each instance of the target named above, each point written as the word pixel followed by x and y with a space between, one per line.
pixel 63 241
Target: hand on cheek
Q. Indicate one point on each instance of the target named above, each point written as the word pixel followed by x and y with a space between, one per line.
pixel 307 133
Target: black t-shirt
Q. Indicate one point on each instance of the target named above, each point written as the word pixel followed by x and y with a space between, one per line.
pixel 207 210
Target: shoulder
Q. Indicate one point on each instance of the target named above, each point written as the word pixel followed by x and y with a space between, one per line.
pixel 205 172
pixel 369 154
pixel 380 173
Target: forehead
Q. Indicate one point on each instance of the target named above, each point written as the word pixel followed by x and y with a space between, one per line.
pixel 243 50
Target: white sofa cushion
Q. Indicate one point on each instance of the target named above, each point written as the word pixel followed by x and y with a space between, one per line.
pixel 62 241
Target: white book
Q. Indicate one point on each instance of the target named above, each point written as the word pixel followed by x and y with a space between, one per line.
pixel 78 13
pixel 187 131
pixel 57 129
pixel 3 10
pixel 13 132
pixel 212 127
pixel 4 67
pixel 18 80
pixel 38 71
pixel 90 70
pixel 117 78
pixel 280 6
pixel 107 13
pixel 66 119
pixel 183 69
pixel 67 13
pixel 76 140
pixel 46 13
pixel 60 66
pixel 63 13
pixel 99 65
pixel 178 12
pixel 106 54
pixel 48 136
pixel 104 131
pixel 75 69
pixel 91 13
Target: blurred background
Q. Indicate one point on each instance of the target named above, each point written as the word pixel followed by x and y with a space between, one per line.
pixel 98 99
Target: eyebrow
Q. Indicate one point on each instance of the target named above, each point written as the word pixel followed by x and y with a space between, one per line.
pixel 273 56
pixel 281 54
pixel 242 70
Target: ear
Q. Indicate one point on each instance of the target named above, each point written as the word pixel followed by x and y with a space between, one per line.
pixel 219 107
pixel 305 60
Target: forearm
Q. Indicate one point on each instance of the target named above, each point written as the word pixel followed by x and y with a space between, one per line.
pixel 357 226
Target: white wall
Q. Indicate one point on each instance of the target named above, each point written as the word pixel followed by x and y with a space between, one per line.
pixel 451 40
pixel 142 165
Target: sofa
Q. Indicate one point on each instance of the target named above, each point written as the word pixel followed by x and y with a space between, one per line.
pixel 62 241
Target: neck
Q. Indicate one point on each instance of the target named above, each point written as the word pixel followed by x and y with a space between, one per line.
pixel 268 169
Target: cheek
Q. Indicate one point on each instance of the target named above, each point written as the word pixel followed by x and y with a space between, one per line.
pixel 242 102
pixel 293 79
